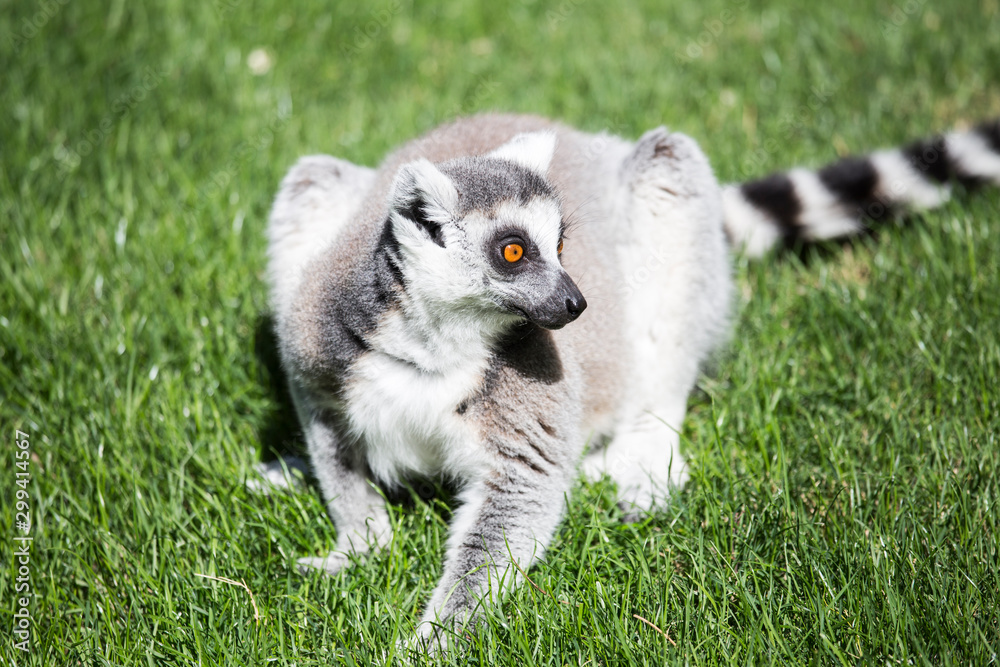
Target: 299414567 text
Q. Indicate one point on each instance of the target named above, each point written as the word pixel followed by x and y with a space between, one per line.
pixel 22 542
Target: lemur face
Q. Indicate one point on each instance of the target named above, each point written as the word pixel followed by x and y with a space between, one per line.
pixel 484 235
pixel 516 248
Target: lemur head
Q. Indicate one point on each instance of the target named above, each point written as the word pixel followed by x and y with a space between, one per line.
pixel 483 235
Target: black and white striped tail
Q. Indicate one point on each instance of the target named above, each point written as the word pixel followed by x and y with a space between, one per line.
pixel 806 205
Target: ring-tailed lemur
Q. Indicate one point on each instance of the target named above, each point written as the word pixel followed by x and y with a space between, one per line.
pixel 420 311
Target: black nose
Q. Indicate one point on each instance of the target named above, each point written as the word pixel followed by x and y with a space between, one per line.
pixel 563 305
pixel 575 305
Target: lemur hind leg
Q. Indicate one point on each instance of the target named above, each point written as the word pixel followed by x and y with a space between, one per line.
pixel 357 509
pixel 317 198
pixel 677 295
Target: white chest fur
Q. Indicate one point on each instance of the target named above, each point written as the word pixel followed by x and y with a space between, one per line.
pixel 406 415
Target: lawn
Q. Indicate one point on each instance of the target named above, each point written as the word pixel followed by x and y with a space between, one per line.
pixel 844 505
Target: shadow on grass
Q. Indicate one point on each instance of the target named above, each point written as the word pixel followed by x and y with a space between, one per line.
pixel 280 435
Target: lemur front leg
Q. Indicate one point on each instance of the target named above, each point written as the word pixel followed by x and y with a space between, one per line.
pixel 357 509
pixel 505 522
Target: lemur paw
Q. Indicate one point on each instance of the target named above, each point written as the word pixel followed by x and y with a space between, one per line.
pixel 646 476
pixel 640 498
pixel 330 564
pixel 430 639
pixel 282 473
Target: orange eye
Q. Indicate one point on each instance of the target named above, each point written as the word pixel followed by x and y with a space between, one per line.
pixel 559 247
pixel 513 252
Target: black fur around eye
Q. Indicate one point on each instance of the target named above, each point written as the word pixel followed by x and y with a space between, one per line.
pixel 511 252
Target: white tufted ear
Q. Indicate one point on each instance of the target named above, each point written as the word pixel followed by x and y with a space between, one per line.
pixel 532 150
pixel 423 197
pixel 423 183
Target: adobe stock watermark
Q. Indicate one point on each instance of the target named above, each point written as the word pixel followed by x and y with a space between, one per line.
pixel 22 542
pixel 923 160
pixel 900 15
pixel 790 121
pixel 247 150
pixel 714 27
pixel 363 36
pixel 484 90
pixel 226 7
pixel 602 141
pixel 639 270
pixel 70 157
pixel 29 28
pixel 555 17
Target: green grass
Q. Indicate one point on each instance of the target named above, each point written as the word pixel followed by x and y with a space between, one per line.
pixel 843 506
